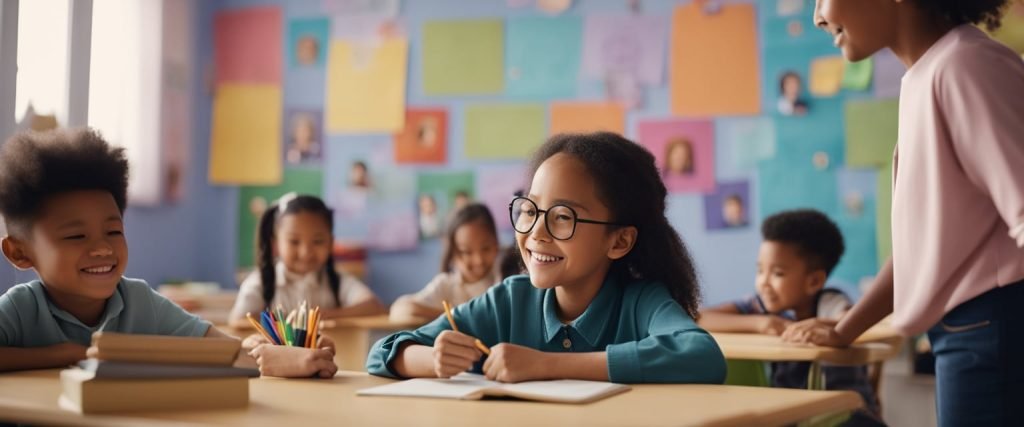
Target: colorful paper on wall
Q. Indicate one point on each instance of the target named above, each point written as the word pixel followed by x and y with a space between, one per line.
pixel 463 57
pixel 503 131
pixel 383 8
pixel 247 45
pixel 584 117
pixel 780 63
pixel 307 42
pixel 871 132
pixel 684 151
pixel 714 61
pixel 366 86
pixel 857 187
pixel 784 185
pixel 438 195
pixel 827 76
pixel 245 135
pixel 496 187
pixel 396 231
pixel 424 139
pixel 888 74
pixel 802 140
pixel 253 201
pixel 742 143
pixel 625 45
pixel 542 56
pixel 860 259
pixel 728 207
pixel 857 75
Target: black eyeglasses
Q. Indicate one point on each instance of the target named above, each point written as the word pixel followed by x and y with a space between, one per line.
pixel 560 220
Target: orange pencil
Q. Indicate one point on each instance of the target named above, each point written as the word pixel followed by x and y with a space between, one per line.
pixel 448 313
pixel 482 347
pixel 310 332
pixel 316 327
pixel 259 328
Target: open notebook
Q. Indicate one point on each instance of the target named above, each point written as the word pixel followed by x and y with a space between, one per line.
pixel 468 386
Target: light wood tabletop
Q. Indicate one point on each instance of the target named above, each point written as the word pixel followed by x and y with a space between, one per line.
pixel 31 397
pixel 770 348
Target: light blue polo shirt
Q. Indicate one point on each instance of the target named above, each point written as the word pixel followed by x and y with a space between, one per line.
pixel 647 335
pixel 28 318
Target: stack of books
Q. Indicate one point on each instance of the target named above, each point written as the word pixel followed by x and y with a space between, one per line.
pixel 127 373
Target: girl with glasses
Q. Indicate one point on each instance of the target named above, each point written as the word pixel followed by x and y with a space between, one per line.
pixel 611 293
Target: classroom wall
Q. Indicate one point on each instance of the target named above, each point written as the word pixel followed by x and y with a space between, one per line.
pixel 725 258
pixel 198 237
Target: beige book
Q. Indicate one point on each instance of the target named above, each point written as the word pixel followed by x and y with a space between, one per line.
pixel 85 394
pixel 468 386
pixel 163 349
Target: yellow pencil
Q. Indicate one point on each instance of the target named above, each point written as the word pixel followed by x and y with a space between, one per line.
pixel 448 312
pixel 482 347
pixel 259 328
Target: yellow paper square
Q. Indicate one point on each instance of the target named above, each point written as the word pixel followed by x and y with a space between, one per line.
pixel 245 136
pixel 827 75
pixel 366 86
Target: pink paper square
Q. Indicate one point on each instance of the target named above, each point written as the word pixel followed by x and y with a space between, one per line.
pixel 658 135
pixel 248 45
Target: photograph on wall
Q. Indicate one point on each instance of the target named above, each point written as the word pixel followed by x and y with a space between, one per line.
pixel 684 151
pixel 728 207
pixel 304 144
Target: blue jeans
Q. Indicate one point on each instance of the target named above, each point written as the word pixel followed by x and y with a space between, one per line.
pixel 979 360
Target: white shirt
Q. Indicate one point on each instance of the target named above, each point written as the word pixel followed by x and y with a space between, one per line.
pixel 292 289
pixel 450 287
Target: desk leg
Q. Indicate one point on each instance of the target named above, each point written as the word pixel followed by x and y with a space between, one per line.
pixel 815 378
pixel 351 344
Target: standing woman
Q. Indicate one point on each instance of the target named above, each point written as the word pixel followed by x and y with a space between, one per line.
pixel 957 269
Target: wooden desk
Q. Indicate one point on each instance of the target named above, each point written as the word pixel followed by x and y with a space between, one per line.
pixel 31 397
pixel 352 336
pixel 872 348
pixel 769 348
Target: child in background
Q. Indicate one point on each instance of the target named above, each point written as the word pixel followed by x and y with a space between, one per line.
pixel 295 264
pixel 611 293
pixel 510 263
pixel 799 250
pixel 957 266
pixel 63 196
pixel 467 266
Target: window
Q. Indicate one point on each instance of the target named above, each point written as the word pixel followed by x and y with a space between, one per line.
pixel 124 87
pixel 42 59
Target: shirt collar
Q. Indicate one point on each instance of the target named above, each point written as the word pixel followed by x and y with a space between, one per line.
pixel 594 320
pixel 113 308
pixel 285 277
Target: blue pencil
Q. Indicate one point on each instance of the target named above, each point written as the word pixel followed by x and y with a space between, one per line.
pixel 266 322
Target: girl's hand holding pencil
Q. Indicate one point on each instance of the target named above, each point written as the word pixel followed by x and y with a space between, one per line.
pixel 455 352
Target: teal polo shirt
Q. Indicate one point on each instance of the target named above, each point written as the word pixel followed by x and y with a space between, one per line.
pixel 649 338
pixel 28 318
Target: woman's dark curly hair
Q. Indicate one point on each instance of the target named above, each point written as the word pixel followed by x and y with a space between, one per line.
pixel 957 12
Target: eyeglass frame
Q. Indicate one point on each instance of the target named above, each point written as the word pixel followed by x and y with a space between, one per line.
pixel 576 218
